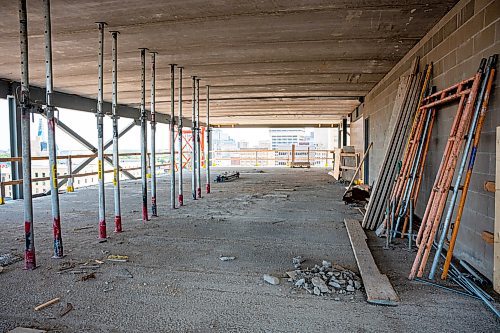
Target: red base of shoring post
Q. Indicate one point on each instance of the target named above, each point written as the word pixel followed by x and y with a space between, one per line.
pixel 145 213
pixel 118 224
pixel 29 259
pixel 181 200
pixel 58 245
pixel 199 192
pixel 102 229
pixel 208 188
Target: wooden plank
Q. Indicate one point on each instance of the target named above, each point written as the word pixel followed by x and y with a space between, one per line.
pixel 487 237
pixel 377 286
pixel 489 186
pixel 496 245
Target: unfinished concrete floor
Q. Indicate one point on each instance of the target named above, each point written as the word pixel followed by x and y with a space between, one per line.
pixel 180 285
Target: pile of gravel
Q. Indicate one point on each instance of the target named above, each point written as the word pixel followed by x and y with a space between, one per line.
pixel 325 279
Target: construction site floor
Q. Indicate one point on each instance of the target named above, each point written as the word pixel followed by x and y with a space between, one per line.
pixel 174 280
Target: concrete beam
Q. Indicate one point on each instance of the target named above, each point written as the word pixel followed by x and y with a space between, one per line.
pixel 79 103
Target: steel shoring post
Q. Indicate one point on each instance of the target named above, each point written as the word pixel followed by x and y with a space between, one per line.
pixel 116 156
pixel 154 210
pixel 208 140
pixel 456 186
pixel 100 138
pixel 54 194
pixel 29 252
pixel 193 135
pixel 143 118
pixel 179 128
pixel 198 138
pixel 172 136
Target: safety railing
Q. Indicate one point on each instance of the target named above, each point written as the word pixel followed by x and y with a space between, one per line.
pixel 221 158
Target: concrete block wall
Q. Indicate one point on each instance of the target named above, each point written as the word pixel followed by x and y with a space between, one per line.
pixel 470 31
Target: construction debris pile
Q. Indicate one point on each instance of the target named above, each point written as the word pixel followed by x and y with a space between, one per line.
pixel 323 280
pixel 227 177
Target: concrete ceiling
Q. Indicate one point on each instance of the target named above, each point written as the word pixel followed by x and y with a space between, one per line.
pixel 268 62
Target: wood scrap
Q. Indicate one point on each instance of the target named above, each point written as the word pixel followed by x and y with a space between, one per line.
pixel 47 304
pixel 377 286
pixel 117 258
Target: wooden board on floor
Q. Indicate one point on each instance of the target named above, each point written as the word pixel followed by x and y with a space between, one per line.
pixel 377 286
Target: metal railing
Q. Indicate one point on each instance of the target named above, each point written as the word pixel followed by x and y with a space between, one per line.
pixel 221 158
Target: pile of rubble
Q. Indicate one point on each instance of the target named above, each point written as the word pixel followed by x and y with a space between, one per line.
pixel 325 279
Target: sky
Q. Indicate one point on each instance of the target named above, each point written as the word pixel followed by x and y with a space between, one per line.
pixel 84 123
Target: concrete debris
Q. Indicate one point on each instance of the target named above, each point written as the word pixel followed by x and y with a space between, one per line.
pixel 66 310
pixel 271 279
pixel 357 194
pixel 297 262
pixel 8 259
pixel 226 258
pixel 275 195
pixel 88 277
pixel 323 280
pixel 26 330
pixel 124 273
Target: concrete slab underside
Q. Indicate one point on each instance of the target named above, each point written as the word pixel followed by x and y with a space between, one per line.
pixel 248 51
pixel 179 284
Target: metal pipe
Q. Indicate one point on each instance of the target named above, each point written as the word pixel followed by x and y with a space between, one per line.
pixel 410 228
pixel 100 137
pixel 154 210
pixel 193 135
pixel 456 187
pixel 50 109
pixel 144 139
pixel 115 117
pixel 209 142
pixel 179 128
pixel 198 138
pixel 172 136
pixel 25 105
